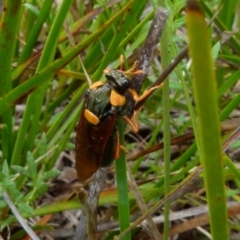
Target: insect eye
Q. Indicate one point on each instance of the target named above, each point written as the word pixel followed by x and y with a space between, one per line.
pixel 125 83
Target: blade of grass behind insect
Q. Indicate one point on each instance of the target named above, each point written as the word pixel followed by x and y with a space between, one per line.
pixel 122 187
pixel 208 122
pixel 8 32
pixel 35 30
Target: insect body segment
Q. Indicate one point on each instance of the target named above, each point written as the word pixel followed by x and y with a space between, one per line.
pixel 97 103
pixel 97 143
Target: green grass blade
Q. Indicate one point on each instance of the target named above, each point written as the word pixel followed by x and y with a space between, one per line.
pixel 8 31
pixel 227 13
pixel 36 29
pixel 208 122
pixel 122 187
pixel 166 130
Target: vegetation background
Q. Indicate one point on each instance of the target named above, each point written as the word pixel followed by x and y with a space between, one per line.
pixel 42 87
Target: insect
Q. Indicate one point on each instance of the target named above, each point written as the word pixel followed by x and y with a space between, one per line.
pixel 97 141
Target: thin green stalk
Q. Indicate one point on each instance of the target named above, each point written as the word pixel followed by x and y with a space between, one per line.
pixel 208 120
pixel 122 186
pixel 166 127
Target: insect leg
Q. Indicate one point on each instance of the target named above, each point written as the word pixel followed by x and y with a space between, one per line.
pixel 117 153
pixel 145 94
pixel 119 147
pixel 132 122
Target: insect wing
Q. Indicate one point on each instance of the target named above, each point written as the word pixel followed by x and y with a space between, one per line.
pixel 111 149
pixel 94 143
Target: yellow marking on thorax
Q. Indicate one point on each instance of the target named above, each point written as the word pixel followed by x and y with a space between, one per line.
pixel 116 99
pixel 96 84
